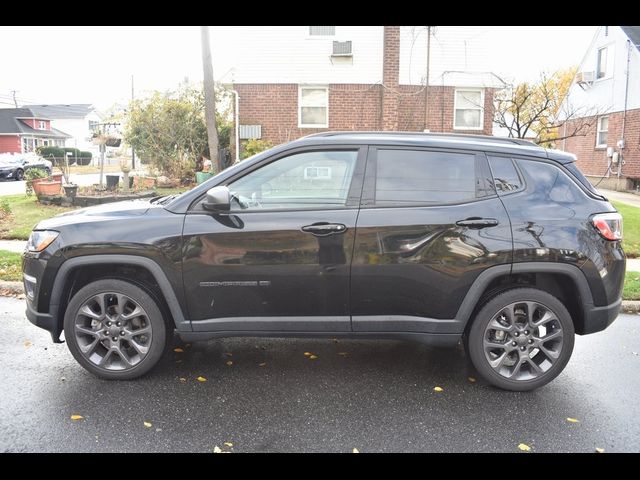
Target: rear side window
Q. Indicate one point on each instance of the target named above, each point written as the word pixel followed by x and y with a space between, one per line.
pixel 581 178
pixel 505 175
pixel 414 177
pixel 549 182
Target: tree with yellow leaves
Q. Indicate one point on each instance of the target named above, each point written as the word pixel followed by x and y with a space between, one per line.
pixel 540 111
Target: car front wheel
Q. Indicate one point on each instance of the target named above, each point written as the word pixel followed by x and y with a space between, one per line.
pixel 115 329
pixel 19 174
pixel 521 339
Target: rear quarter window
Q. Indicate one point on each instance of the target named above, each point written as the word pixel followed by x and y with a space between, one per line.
pixel 549 181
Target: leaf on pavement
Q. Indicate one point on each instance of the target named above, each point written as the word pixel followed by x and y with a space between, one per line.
pixel 76 417
pixel 312 357
pixel 178 350
pixel 343 354
pixel 217 449
pixel 524 447
pixel 262 364
pixel 228 354
pixel 471 379
pixel 201 379
pixel 228 444
pixel 183 380
pixel 335 340
pixel 307 354
pixel 229 363
pixel 438 389
pixel 355 450
pixel 147 424
pixel 27 343
pixel 599 450
pixel 572 420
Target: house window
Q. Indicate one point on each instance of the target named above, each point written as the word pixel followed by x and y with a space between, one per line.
pixel 313 107
pixel 93 125
pixel 468 109
pixel 42 125
pixel 602 63
pixel 603 132
pixel 322 31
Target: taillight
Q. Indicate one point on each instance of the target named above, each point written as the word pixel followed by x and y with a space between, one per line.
pixel 609 225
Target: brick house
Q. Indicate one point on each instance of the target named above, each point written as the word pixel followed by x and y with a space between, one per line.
pixel 21 131
pixel 608 80
pixel 311 79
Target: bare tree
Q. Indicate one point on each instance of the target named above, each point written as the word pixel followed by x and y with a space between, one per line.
pixel 210 100
pixel 542 110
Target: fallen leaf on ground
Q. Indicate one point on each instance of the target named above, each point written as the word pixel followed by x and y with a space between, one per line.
pixel 76 417
pixel 228 354
pixel 262 364
pixel 178 361
pixel 307 354
pixel 201 379
pixel 229 363
pixel 524 447
pixel 178 350
pixel 312 357
pixel 182 379
pixel 343 354
pixel 438 389
pixel 147 424
pixel 599 450
pixel 217 449
pixel 27 343
pixel 355 450
pixel 471 379
pixel 228 444
pixel 572 420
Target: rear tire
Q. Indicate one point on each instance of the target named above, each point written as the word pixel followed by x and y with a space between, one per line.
pixel 521 339
pixel 19 175
pixel 115 329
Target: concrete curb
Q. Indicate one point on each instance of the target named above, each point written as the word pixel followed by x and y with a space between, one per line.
pixel 16 288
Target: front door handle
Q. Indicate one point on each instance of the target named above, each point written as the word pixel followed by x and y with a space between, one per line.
pixel 477 222
pixel 322 229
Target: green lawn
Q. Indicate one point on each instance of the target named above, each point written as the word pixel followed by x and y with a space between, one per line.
pixel 10 266
pixel 631 286
pixel 630 228
pixel 26 212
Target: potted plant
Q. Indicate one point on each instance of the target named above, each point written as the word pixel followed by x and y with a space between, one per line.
pixel 33 176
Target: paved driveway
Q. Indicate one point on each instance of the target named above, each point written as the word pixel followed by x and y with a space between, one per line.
pixel 378 398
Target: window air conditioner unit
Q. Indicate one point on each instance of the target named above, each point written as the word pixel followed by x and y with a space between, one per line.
pixel 342 49
pixel 585 78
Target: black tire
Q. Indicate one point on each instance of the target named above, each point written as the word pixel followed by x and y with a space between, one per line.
pixel 19 174
pixel 47 170
pixel 159 338
pixel 478 332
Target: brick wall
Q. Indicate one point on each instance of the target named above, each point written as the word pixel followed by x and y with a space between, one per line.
pixel 592 161
pixel 390 78
pixel 10 144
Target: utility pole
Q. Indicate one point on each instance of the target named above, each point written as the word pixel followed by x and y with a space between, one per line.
pixel 133 153
pixel 426 83
pixel 210 100
pixel 15 101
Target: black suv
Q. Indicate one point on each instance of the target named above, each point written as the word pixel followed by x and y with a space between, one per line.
pixel 435 238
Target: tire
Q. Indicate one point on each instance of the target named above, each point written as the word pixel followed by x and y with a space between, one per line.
pixel 115 329
pixel 19 175
pixel 47 170
pixel 507 312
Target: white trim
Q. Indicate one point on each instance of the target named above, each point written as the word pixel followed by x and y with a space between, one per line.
pixel 599 131
pixel 313 125
pixel 481 108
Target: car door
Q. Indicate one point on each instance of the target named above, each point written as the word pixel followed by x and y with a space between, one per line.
pixel 430 223
pixel 279 259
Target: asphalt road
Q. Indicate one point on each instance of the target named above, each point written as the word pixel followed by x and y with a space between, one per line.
pixel 377 398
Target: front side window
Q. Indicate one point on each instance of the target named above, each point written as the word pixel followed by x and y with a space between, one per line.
pixel 603 132
pixel 602 63
pixel 405 177
pixel 303 180
pixel 313 109
pixel 468 109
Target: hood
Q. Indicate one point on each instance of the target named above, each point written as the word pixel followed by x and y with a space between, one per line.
pixel 108 211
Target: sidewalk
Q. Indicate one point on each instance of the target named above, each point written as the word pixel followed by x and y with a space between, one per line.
pixel 16 246
pixel 623 197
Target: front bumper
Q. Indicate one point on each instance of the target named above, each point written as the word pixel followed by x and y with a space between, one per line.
pixel 44 320
pixel 597 319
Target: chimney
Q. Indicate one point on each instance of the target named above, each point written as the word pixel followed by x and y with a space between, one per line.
pixel 390 78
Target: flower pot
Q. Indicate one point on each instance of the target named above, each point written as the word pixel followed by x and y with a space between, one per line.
pixel 57 177
pixel 144 182
pixel 47 187
pixel 203 177
pixel 70 190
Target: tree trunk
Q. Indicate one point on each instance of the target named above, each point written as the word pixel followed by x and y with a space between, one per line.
pixel 210 100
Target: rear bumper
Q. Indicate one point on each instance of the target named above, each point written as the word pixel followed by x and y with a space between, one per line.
pixel 597 319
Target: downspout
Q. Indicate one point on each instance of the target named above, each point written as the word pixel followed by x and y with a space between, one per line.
pixel 621 142
pixel 237 124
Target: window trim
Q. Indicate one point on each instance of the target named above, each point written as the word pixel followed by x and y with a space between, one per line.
pixel 606 61
pixel 599 131
pixel 313 87
pixel 455 107
pixel 369 186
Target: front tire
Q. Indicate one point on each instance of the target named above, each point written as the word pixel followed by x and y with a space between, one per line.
pixel 115 329
pixel 19 174
pixel 521 339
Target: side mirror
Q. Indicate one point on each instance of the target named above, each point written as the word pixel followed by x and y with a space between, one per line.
pixel 218 199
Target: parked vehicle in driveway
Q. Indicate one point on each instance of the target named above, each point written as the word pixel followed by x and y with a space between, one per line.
pixel 14 166
pixel 433 238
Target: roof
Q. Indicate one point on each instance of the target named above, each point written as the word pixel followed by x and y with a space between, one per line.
pixel 53 111
pixel 634 35
pixel 9 123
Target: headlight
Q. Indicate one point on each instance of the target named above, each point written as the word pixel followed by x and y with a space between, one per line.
pixel 40 239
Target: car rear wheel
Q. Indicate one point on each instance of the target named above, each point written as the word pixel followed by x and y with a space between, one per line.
pixel 115 329
pixel 19 174
pixel 521 339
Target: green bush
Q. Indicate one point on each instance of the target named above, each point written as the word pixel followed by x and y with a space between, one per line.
pixel 47 152
pixel 29 176
pixel 5 208
pixel 253 146
pixel 84 158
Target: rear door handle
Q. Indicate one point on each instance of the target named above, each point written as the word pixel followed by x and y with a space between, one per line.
pixel 477 222
pixel 322 229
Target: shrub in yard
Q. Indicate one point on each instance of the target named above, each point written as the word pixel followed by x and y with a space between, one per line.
pixel 253 146
pixel 57 152
pixel 84 158
pixel 5 209
pixel 31 175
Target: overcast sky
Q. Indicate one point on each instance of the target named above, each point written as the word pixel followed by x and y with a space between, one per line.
pixel 95 64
